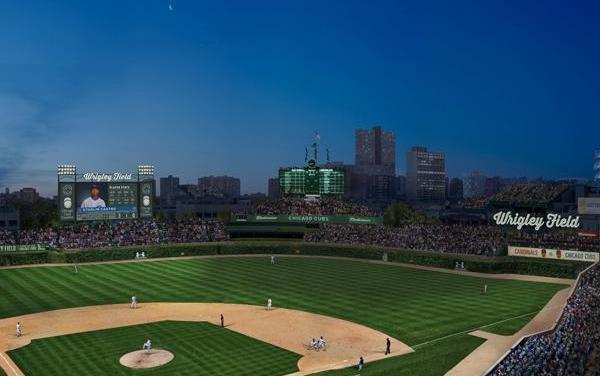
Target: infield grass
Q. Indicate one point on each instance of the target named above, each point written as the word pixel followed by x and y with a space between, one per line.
pixel 415 306
pixel 199 348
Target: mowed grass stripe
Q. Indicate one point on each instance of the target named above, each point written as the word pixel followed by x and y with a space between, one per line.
pixel 199 349
pixel 412 305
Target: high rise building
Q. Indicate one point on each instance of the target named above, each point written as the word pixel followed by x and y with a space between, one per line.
pixel 376 148
pixel 474 184
pixel 455 189
pixel 219 185
pixel 169 189
pixel 373 175
pixel 425 175
pixel 492 185
pixel 273 188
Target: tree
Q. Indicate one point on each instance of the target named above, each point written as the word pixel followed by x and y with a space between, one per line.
pixel 224 215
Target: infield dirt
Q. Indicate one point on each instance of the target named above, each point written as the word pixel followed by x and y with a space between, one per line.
pixel 285 328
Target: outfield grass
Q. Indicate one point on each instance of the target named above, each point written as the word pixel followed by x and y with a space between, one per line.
pixel 199 349
pixel 415 306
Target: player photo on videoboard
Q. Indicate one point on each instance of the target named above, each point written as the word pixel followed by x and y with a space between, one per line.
pixel 92 195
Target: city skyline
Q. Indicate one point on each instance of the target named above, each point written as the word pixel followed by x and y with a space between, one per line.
pixel 239 90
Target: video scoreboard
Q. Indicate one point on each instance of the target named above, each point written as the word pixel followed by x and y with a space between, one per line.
pixel 105 196
pixel 312 180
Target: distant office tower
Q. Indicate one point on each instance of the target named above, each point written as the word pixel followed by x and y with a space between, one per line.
pixel 425 175
pixel 225 185
pixel 492 185
pixel 474 184
pixel 28 195
pixel 169 189
pixel 455 189
pixel 273 188
pixel 377 148
pixel 401 187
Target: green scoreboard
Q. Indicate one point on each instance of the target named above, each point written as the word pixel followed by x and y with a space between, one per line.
pixel 312 180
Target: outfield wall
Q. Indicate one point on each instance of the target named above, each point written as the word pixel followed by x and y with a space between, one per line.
pixel 516 265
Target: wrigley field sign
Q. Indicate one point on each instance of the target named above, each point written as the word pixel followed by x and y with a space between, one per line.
pixel 310 219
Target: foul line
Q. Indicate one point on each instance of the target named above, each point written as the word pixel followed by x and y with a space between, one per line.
pixel 478 328
pixel 14 371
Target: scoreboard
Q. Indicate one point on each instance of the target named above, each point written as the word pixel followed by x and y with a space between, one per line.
pixel 104 196
pixel 312 180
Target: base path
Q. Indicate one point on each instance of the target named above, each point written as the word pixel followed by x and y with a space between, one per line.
pixel 285 328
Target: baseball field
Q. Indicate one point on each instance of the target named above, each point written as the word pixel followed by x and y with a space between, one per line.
pixel 428 314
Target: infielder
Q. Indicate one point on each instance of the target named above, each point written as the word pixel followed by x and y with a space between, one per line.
pixel 388 344
pixel 361 363
pixel 133 302
pixel 18 329
pixel 269 304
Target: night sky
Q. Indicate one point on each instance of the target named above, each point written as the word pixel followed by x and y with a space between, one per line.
pixel 508 87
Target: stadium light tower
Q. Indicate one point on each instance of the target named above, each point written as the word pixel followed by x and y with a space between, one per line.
pixel 145 170
pixel 66 170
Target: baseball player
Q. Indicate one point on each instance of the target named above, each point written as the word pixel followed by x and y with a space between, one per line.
pixel 269 304
pixel 133 302
pixel 272 260
pixel 147 345
pixel 19 329
pixel 388 344
pixel 321 344
pixel 361 363
pixel 222 321
pixel 485 288
pixel 312 345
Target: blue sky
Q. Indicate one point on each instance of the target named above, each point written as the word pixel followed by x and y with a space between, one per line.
pixel 226 87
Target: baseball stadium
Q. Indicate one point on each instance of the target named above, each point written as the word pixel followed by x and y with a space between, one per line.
pixel 291 188
pixel 360 292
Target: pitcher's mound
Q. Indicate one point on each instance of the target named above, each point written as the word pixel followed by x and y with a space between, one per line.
pixel 144 359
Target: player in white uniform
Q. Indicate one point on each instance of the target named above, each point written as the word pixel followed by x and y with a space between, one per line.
pixel 94 201
pixel 133 302
pixel 18 329
pixel 147 345
pixel 272 260
pixel 312 345
pixel 269 304
pixel 321 344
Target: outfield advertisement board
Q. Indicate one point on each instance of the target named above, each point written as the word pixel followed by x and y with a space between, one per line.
pixel 557 254
pixel 22 247
pixel 310 219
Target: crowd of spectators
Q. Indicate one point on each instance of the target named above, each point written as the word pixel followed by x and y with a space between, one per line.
pixel 301 206
pixel 570 240
pixel 531 193
pixel 573 348
pixel 474 240
pixel 118 234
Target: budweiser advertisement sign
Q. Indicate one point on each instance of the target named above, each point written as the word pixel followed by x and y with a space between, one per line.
pixel 557 254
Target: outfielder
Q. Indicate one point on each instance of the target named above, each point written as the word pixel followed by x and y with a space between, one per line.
pixel 269 304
